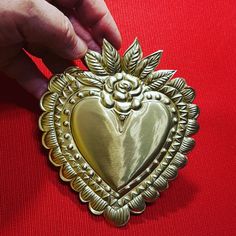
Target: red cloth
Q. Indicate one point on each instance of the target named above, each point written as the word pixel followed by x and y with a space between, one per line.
pixel 198 39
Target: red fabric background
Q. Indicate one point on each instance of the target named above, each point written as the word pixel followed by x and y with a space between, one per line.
pixel 198 39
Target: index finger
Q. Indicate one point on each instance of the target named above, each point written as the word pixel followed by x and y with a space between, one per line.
pixel 96 16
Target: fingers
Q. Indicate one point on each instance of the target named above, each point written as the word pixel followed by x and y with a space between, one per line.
pixel 54 30
pixel 96 16
pixel 42 24
pixel 84 34
pixel 53 62
pixel 65 3
pixel 24 71
pixel 56 64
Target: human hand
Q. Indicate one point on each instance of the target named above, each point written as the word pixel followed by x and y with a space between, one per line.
pixel 40 28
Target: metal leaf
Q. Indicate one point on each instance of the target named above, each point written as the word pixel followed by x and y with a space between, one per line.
pixel 189 94
pixel 89 79
pixel 148 64
pixel 157 75
pixel 178 83
pixel 94 62
pixel 118 216
pixel 111 58
pixel 131 57
pixel 187 145
pixel 192 127
pixel 193 110
pixel 157 84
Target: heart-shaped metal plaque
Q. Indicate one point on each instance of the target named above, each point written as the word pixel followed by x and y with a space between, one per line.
pixel 120 131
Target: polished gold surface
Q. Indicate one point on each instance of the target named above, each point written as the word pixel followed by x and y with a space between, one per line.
pixel 119 131
pixel 117 155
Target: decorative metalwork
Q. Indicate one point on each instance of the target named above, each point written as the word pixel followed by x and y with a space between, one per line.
pixel 120 131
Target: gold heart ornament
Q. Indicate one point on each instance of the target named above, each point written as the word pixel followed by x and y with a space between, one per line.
pixel 120 131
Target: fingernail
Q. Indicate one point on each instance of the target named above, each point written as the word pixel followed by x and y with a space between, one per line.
pixel 80 49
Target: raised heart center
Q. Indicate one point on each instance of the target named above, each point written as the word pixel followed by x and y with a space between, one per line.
pixel 119 156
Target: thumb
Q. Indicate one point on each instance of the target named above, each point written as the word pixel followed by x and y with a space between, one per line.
pixel 45 25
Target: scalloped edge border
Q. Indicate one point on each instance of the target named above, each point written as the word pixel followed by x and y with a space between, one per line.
pixel 97 205
pixel 148 189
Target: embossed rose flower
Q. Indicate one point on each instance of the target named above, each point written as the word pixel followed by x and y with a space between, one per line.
pixel 123 92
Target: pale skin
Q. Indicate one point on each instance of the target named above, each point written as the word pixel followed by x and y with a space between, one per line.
pixel 57 31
